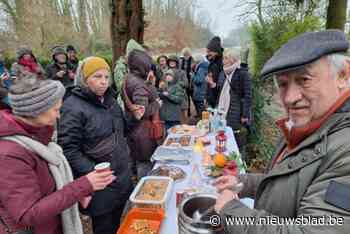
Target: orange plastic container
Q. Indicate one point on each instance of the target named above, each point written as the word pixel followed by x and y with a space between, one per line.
pixel 154 219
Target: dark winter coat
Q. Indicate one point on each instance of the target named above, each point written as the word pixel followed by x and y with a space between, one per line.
pixel 240 97
pixel 28 195
pixel 54 68
pixel 140 93
pixel 180 76
pixel 199 81
pixel 171 107
pixel 186 65
pixel 85 122
pixel 215 68
pixel 299 185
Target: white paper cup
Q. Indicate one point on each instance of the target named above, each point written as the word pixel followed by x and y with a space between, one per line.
pixel 102 167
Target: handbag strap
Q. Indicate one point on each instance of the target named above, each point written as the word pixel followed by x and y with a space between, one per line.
pixel 129 104
pixel 127 101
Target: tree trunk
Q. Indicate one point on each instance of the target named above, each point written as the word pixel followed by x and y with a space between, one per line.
pixel 336 14
pixel 126 23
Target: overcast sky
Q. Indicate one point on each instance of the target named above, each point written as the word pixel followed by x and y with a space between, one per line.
pixel 222 14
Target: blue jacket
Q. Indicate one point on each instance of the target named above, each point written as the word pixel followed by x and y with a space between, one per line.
pixel 199 81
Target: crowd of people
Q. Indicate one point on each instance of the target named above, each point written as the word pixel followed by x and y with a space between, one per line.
pixel 104 116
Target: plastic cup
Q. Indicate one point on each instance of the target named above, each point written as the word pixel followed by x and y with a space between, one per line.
pixel 102 167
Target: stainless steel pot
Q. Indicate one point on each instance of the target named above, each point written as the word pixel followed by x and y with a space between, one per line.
pixel 188 206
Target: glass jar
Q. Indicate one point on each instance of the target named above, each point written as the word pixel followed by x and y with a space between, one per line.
pixel 221 141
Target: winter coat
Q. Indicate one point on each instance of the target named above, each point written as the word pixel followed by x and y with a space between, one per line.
pixel 171 107
pixel 186 66
pixel 180 76
pixel 86 122
pixel 160 73
pixel 140 93
pixel 54 68
pixel 4 87
pixel 299 184
pixel 215 68
pixel 73 64
pixel 240 97
pixel 199 81
pixel 28 195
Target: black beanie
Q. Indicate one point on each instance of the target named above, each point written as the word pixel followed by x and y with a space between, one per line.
pixel 215 45
pixel 70 48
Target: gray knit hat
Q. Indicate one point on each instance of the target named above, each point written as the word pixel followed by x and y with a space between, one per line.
pixel 30 96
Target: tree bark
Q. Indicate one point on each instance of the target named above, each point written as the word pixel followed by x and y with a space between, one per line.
pixel 126 23
pixel 336 14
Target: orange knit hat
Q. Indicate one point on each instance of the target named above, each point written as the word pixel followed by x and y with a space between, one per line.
pixel 93 64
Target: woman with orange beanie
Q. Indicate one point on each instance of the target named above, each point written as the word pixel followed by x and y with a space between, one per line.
pixel 91 131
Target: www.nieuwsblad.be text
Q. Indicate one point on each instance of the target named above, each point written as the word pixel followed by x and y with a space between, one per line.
pixel 274 220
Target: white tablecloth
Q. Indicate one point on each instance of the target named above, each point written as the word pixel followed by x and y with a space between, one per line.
pixel 170 225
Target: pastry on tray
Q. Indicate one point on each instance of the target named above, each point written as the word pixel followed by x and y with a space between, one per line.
pixel 173 172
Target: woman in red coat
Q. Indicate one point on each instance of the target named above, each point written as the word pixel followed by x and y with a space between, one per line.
pixel 38 194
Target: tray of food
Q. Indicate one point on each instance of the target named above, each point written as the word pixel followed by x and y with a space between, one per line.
pixel 152 192
pixel 142 221
pixel 172 155
pixel 179 141
pixel 182 129
pixel 176 173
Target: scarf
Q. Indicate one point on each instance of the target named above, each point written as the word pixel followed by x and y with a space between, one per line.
pixel 30 64
pixel 62 174
pixel 225 97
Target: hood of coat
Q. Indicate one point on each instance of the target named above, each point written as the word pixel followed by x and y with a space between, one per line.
pixel 133 45
pixel 10 125
pixel 139 63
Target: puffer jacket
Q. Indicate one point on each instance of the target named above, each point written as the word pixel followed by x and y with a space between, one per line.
pixel 199 81
pixel 180 76
pixel 240 97
pixel 85 122
pixel 171 108
pixel 54 68
pixel 299 185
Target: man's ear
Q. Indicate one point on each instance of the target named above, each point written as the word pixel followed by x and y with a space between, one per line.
pixel 343 79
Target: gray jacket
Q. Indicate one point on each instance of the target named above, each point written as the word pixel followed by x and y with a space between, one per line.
pixel 299 184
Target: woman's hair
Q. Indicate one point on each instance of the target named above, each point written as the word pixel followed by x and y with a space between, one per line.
pixel 186 50
pixel 233 54
pixel 162 56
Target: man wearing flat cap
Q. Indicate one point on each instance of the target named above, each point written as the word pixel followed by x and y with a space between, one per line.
pixel 308 180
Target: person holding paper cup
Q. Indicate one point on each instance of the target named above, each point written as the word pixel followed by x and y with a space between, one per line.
pixel 38 194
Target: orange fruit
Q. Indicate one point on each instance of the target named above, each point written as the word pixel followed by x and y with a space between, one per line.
pixel 220 160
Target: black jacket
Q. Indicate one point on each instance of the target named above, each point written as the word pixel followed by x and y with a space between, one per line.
pixel 52 69
pixel 84 123
pixel 240 97
pixel 215 68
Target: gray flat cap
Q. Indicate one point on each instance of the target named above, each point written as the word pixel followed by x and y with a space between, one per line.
pixel 305 49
